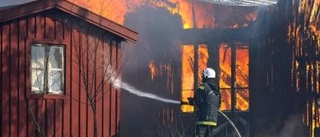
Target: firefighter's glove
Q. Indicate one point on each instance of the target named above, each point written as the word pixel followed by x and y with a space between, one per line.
pixel 184 103
pixel 191 100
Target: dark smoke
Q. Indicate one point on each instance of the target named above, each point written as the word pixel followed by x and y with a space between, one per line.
pixel 159 32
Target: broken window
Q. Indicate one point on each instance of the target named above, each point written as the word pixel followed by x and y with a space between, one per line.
pixel 47 69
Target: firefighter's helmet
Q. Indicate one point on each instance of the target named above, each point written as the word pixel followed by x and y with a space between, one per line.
pixel 209 73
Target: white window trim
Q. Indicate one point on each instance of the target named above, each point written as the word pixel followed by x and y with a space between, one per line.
pixel 37 90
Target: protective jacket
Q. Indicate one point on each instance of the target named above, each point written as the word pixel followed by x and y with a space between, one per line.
pixel 207 101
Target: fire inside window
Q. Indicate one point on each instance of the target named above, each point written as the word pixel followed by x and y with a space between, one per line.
pixel 47 69
pixel 231 71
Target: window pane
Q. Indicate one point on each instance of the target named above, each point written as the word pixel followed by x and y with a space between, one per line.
pixel 55 82
pixel 225 66
pixel 242 99
pixel 37 80
pixel 242 67
pixel 225 99
pixel 202 60
pixel 55 57
pixel 185 95
pixel 187 76
pixel 37 56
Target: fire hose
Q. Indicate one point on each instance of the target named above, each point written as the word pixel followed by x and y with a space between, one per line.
pixel 232 124
pixel 225 116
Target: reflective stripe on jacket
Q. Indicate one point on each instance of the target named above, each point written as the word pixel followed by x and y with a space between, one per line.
pixel 208 123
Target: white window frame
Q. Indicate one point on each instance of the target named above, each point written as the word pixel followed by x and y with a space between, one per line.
pixel 47 80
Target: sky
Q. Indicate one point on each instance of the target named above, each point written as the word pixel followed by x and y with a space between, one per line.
pixel 4 3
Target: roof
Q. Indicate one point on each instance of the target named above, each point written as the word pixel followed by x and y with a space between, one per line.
pixel 243 2
pixel 18 11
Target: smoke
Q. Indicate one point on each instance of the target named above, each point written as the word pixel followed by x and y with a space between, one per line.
pixel 285 126
pixel 159 31
pixel 292 127
pixel 158 41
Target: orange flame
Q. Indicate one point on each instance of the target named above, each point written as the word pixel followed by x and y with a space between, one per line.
pixel 187 76
pixel 153 69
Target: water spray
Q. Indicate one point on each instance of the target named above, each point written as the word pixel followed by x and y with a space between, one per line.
pixel 117 83
pixel 120 84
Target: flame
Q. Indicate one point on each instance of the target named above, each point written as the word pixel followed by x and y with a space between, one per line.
pixel 187 76
pixel 251 16
pixel 153 69
pixel 204 15
pixel 202 60
pixel 242 75
pixel 298 33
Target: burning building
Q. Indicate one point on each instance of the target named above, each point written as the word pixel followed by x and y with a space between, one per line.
pixel 267 58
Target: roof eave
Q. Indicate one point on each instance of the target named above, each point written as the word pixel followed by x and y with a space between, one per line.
pixel 42 5
pixel 99 21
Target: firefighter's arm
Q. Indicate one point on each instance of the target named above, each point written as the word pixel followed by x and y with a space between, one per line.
pixel 198 100
pixel 219 94
pixel 195 100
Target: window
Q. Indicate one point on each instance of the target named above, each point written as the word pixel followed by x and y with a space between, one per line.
pixel 187 76
pixel 233 68
pixel 235 97
pixel 47 69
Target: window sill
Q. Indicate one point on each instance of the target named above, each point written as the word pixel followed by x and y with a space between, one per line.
pixel 46 96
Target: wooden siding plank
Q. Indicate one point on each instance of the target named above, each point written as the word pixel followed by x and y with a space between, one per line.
pixel 50 120
pixel 13 78
pixel 40 26
pixel 92 65
pixel 49 27
pixel 110 95
pixel 106 97
pixel 113 92
pixel 31 107
pixel 22 78
pixel 83 78
pixel 60 31
pixel 31 29
pixel 99 83
pixel 76 79
pixel 58 118
pixel 118 68
pixel 5 81
pixel 32 121
pixel 42 115
pixel 67 114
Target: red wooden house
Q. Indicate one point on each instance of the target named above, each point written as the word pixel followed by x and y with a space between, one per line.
pixel 56 59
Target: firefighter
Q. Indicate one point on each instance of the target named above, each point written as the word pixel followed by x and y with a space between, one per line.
pixel 207 101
